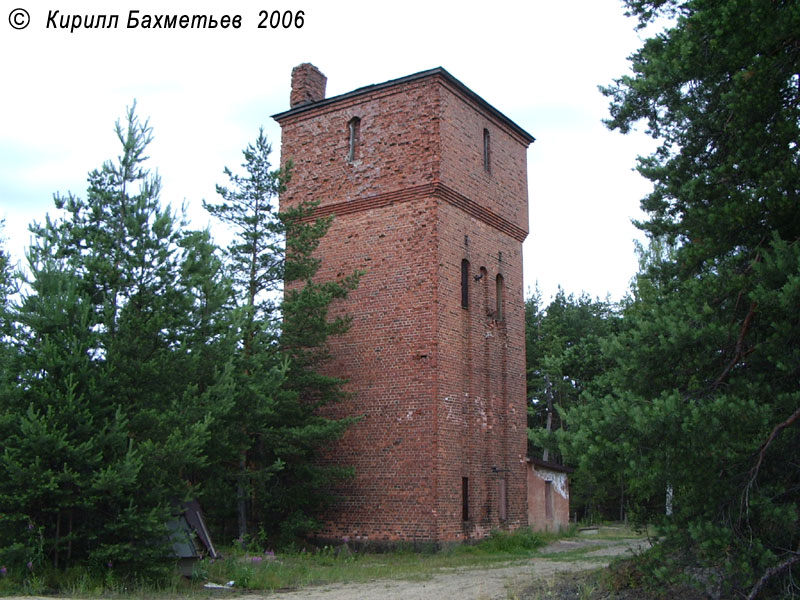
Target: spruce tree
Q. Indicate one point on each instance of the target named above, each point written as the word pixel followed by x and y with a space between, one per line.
pixel 102 422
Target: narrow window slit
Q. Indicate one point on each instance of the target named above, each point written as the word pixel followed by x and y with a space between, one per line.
pixel 465 498
pixel 465 283
pixel 502 500
pixel 354 129
pixel 486 151
pixel 498 315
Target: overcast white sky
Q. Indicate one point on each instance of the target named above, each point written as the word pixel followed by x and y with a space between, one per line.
pixel 206 92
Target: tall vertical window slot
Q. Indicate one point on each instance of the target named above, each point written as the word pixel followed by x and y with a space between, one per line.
pixel 465 283
pixel 465 498
pixel 502 501
pixel 353 127
pixel 499 296
pixel 486 151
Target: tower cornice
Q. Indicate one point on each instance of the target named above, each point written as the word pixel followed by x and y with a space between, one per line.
pixel 438 73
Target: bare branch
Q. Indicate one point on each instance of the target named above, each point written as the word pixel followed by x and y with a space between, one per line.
pixel 769 573
pixel 762 451
pixel 740 352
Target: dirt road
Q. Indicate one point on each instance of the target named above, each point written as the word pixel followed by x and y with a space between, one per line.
pixel 497 583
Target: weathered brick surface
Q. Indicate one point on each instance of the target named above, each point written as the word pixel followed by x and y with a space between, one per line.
pixel 308 85
pixel 481 375
pixel 441 389
pixel 505 187
pixel 547 514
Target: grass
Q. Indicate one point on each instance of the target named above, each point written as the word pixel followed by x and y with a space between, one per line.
pixel 337 565
pixel 618 531
pixel 328 565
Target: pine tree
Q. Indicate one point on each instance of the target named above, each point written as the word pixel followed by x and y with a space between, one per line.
pixel 7 289
pixel 706 401
pixel 566 362
pixel 273 428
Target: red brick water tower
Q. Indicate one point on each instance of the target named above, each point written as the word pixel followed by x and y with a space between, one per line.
pixel 428 185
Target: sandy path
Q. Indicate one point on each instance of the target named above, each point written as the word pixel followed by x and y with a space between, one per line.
pixel 468 584
pixel 497 583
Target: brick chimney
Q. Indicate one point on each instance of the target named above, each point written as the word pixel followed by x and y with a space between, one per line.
pixel 308 85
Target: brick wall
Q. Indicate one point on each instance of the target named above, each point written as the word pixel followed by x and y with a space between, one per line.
pixel 481 375
pixel 440 388
pixel 548 497
pixel 308 85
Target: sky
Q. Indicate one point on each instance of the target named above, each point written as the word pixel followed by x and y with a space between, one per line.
pixel 207 92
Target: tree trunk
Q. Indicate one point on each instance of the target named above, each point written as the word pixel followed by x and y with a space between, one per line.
pixel 241 496
pixel 549 394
